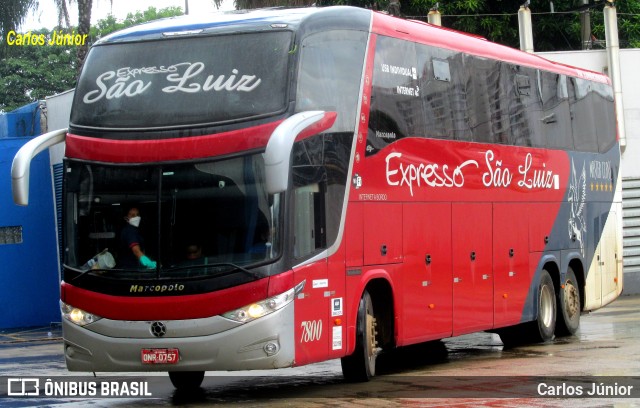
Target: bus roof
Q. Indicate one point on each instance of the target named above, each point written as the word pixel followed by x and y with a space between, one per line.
pixel 472 44
pixel 346 17
pixel 228 21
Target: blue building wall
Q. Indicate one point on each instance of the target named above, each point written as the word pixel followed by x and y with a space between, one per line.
pixel 24 121
pixel 29 277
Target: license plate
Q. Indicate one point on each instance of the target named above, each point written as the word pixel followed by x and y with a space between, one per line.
pixel 160 356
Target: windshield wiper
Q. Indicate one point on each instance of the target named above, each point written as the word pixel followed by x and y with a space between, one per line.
pixel 216 265
pixel 237 267
pixel 83 273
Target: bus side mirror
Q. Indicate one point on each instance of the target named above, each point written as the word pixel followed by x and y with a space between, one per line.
pixel 22 163
pixel 277 156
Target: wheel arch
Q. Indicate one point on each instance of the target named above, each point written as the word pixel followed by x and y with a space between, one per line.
pixel 383 299
pixel 380 287
pixel 578 269
pixel 551 266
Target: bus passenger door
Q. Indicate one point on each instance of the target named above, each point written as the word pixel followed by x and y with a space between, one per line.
pixel 607 258
pixel 312 304
pixel 472 267
pixel 312 314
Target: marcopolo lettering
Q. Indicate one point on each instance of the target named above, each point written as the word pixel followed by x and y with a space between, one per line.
pixel 156 288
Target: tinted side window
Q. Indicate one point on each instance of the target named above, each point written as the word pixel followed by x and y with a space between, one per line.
pixel 330 73
pixel 444 94
pixel 396 106
pixel 582 116
pixel 525 108
pixel 604 116
pixel 556 119
pixel 329 77
pixel 486 107
pixel 457 96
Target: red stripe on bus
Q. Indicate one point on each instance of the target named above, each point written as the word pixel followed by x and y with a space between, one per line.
pixel 144 151
pixel 163 307
pixel 178 307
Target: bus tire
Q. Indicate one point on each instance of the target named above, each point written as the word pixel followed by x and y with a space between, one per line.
pixel 543 328
pixel 568 316
pixel 186 380
pixel 361 365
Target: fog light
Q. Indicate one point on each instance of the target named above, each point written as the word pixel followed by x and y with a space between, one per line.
pixel 271 348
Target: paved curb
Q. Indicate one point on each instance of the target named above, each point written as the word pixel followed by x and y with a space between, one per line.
pixel 52 332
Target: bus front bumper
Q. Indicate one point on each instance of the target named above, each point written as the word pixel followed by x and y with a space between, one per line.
pixel 210 344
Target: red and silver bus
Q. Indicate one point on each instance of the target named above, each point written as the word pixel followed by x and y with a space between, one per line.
pixel 351 183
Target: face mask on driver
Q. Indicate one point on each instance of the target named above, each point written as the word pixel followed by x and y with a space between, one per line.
pixel 135 221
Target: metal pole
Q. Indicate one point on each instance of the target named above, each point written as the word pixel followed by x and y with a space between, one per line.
pixel 613 57
pixel 525 28
pixel 434 17
pixel 585 27
pixel 186 7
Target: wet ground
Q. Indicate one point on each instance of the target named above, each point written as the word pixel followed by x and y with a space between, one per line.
pixel 468 371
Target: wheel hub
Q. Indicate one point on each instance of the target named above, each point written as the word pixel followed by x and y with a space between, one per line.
pixel 372 343
pixel 546 305
pixel 572 299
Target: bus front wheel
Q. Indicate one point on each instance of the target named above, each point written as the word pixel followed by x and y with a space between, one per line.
pixel 568 319
pixel 186 380
pixel 361 365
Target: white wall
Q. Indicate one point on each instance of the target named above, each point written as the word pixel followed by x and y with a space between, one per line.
pixel 58 112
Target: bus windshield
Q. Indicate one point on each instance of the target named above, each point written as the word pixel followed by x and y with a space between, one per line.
pixel 183 81
pixel 196 219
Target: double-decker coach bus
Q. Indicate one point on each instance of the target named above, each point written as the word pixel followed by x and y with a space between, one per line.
pixel 346 183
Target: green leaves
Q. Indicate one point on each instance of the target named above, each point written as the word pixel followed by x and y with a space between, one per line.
pixel 31 72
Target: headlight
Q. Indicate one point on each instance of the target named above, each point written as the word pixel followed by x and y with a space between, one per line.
pixel 77 316
pixel 256 310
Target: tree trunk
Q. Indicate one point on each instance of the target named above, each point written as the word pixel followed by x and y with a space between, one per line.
pixel 84 24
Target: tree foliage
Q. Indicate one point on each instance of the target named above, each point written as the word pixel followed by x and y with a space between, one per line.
pixel 30 72
pixel 110 24
pixel 12 14
pixel 557 29
pixel 84 24
pixel 498 20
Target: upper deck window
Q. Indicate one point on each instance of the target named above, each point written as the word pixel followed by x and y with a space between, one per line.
pixel 183 82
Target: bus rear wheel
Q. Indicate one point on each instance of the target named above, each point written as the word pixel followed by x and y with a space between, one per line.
pixel 568 316
pixel 186 380
pixel 361 365
pixel 543 328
